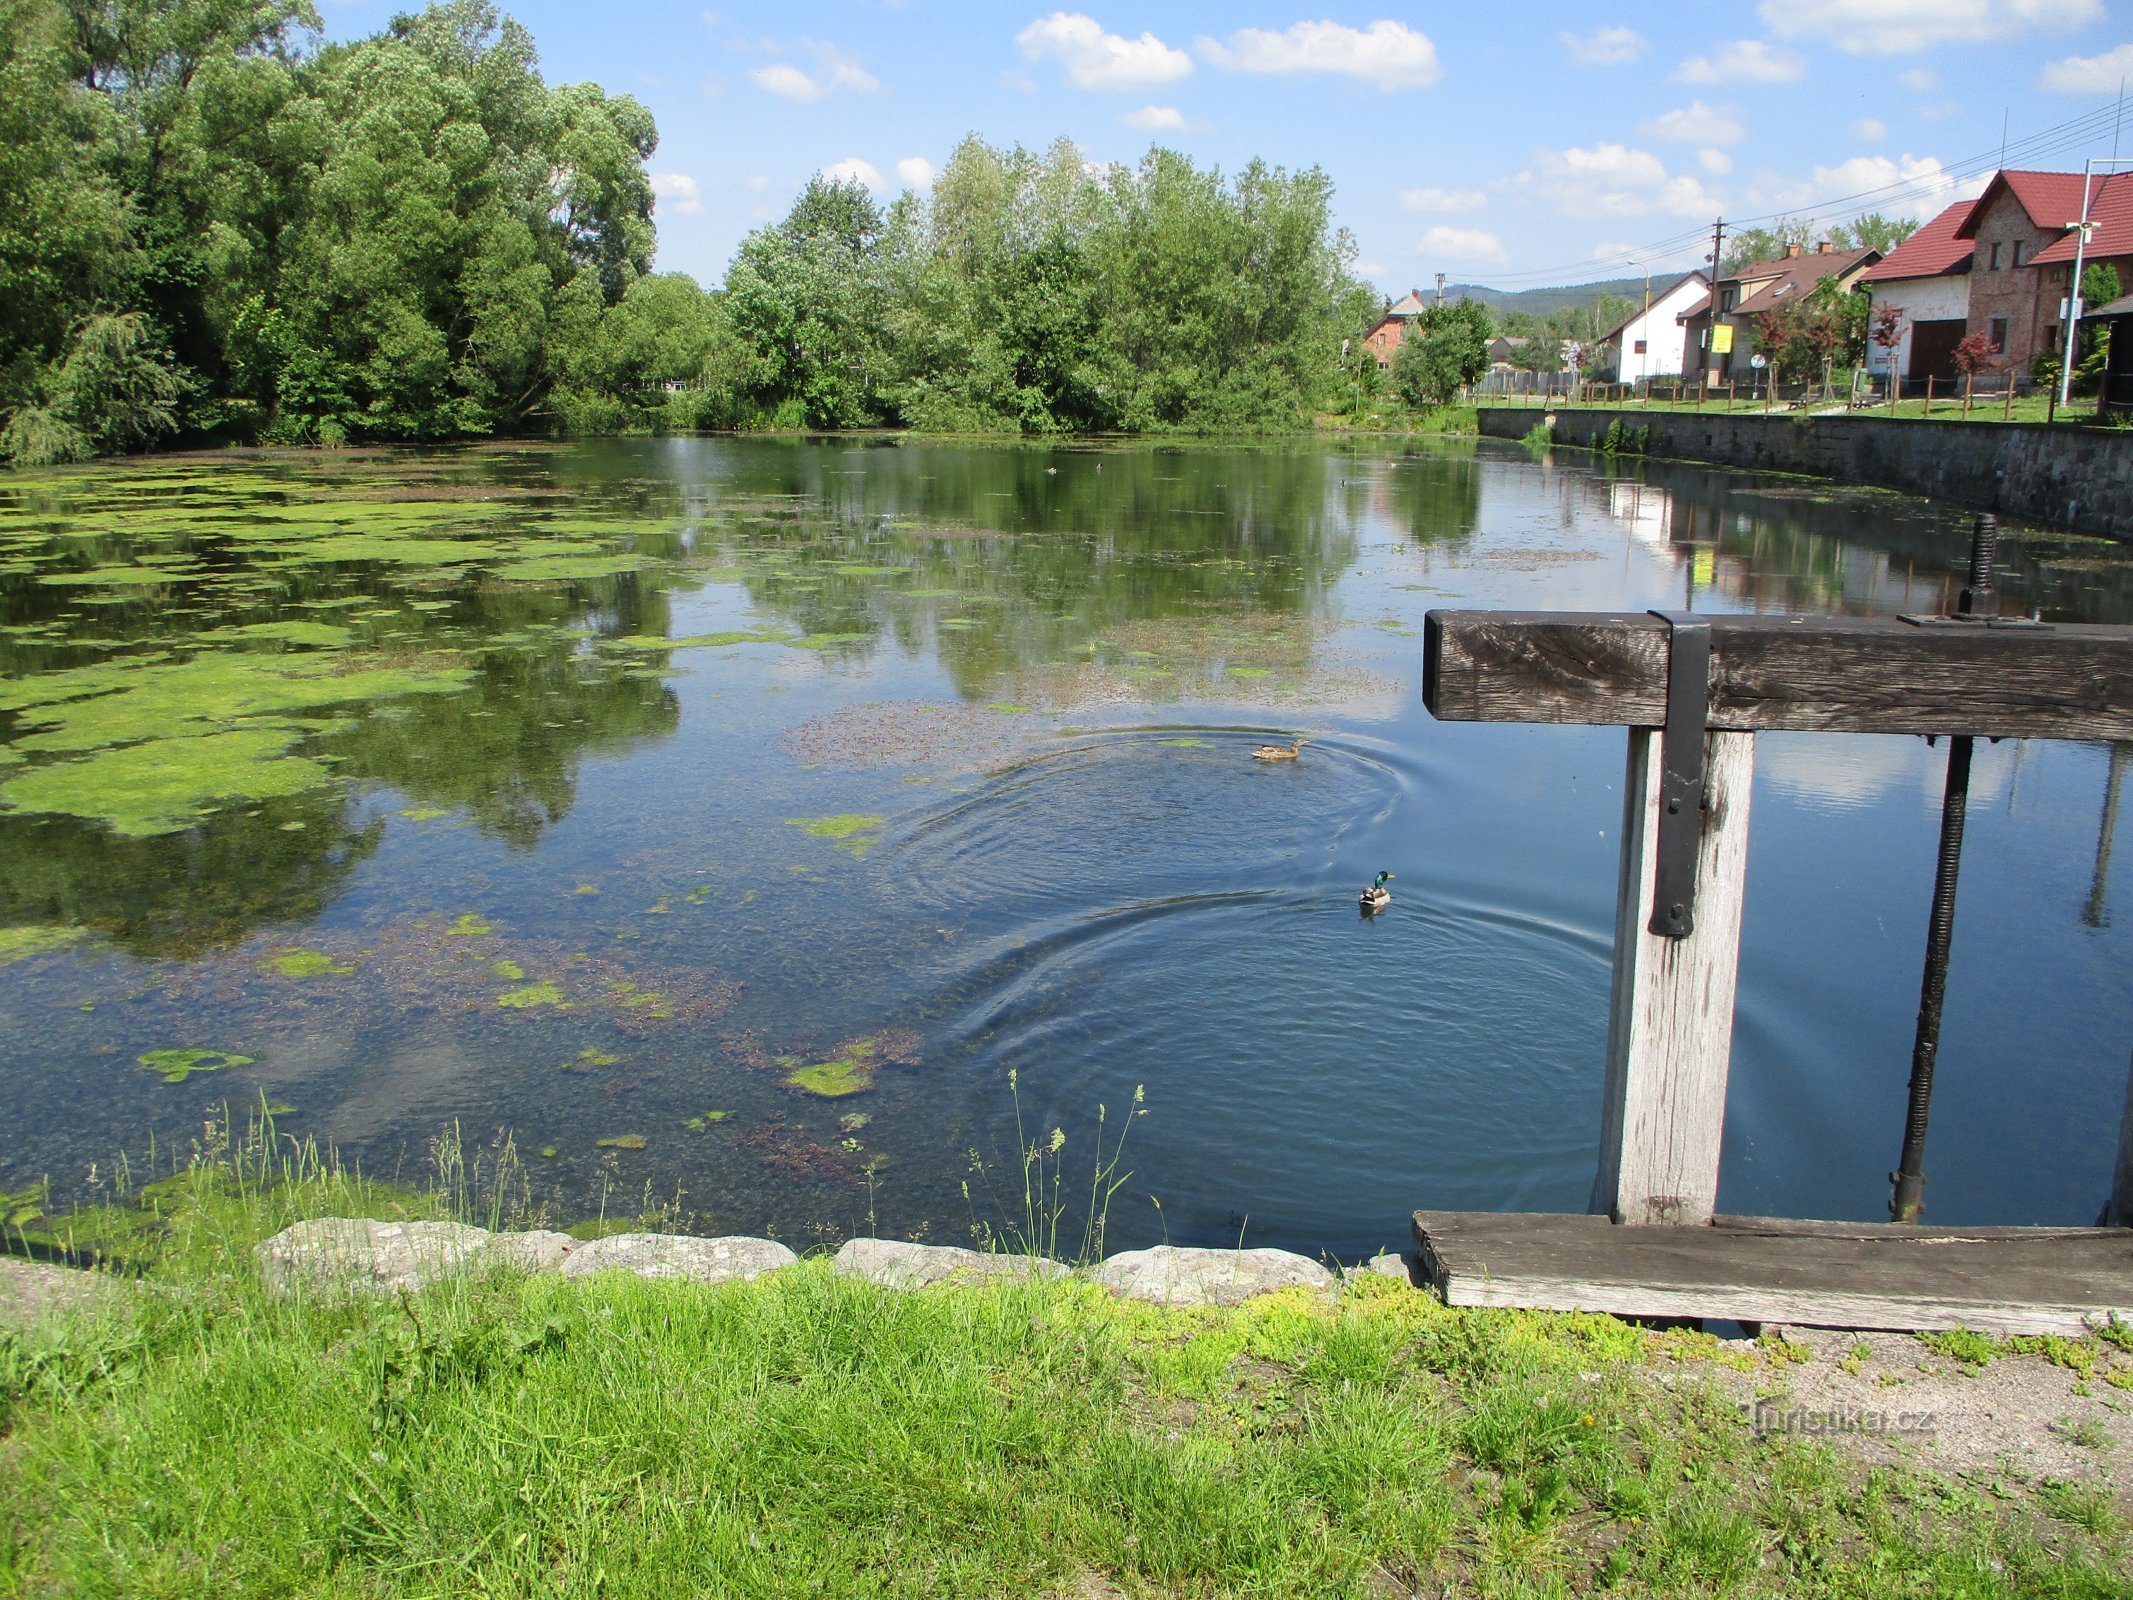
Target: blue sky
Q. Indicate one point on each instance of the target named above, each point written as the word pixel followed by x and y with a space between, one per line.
pixel 1538 143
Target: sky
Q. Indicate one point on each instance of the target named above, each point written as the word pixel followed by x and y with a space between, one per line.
pixel 1541 143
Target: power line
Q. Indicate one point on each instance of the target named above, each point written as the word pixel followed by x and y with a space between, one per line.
pixel 2056 139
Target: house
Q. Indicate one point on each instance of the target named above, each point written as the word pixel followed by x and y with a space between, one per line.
pixel 1385 334
pixel 1505 348
pixel 1650 341
pixel 2115 403
pixel 1925 284
pixel 1718 339
pixel 2023 231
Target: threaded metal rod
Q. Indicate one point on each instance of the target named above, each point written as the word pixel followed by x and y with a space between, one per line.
pixel 1908 1201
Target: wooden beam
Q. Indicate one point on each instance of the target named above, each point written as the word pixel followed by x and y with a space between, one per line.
pixel 1756 1269
pixel 1811 674
pixel 1670 1022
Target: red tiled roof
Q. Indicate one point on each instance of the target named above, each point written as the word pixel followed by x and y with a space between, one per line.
pixel 2110 212
pixel 2052 199
pixel 1795 277
pixel 1934 251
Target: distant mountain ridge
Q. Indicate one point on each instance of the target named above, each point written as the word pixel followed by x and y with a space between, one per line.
pixel 1546 302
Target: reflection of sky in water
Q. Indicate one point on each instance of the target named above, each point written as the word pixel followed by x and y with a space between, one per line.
pixel 1046 687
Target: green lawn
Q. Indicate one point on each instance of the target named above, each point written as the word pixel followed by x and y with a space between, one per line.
pixel 1985 408
pixel 806 1434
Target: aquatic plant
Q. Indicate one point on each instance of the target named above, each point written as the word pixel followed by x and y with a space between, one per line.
pixel 703 1120
pixel 544 993
pixel 621 1141
pixel 19 944
pixel 591 1060
pixel 851 832
pixel 298 962
pixel 175 1066
pixel 468 926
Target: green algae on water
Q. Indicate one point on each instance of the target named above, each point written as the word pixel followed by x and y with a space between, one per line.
pixel 298 962
pixel 851 831
pixel 19 944
pixel 505 967
pixel 621 1141
pixel 165 785
pixel 543 993
pixel 698 1124
pixel 469 926
pixel 1184 744
pixel 847 1072
pixel 175 1066
pixel 591 1060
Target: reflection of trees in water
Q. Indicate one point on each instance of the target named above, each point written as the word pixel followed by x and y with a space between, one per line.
pixel 179 894
pixel 1029 567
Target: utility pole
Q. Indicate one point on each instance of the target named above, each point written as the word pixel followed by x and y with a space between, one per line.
pixel 1440 288
pixel 1718 245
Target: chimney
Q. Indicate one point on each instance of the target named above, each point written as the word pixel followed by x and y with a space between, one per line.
pixel 1791 250
pixel 1821 247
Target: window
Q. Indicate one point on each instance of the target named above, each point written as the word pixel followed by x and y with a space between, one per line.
pixel 2018 252
pixel 1640 347
pixel 1728 299
pixel 1996 331
pixel 1995 267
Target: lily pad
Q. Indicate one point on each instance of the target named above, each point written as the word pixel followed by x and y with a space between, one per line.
pixel 175 1066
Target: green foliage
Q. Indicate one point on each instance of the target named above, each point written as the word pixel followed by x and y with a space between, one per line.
pixel 1826 328
pixel 1445 349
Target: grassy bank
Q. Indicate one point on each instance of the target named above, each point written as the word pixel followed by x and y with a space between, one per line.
pixel 2032 408
pixel 807 1434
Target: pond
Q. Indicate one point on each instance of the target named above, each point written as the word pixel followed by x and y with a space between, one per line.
pixel 761 831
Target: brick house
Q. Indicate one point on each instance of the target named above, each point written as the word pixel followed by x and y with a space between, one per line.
pixel 2022 230
pixel 1385 334
pixel 1746 294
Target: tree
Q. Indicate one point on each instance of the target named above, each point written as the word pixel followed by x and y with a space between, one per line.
pixel 1745 246
pixel 807 294
pixel 1872 232
pixel 1807 337
pixel 1975 354
pixel 1444 350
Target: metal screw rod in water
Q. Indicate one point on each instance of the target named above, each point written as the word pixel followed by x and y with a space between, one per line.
pixel 1907 1202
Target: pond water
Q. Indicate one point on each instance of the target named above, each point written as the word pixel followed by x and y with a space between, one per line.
pixel 758 828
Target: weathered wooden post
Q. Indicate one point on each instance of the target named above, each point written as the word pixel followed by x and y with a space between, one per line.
pixel 1670 1018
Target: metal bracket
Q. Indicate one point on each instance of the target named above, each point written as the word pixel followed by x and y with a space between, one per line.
pixel 1681 772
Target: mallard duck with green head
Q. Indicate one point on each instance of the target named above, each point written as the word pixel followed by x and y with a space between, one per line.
pixel 1377 897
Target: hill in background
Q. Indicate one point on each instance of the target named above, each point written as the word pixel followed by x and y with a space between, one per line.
pixel 1547 302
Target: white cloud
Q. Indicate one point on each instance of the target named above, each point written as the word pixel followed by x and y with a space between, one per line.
pixel 2090 74
pixel 1370 269
pixel 1608 47
pixel 1388 54
pixel 1894 27
pixel 1432 199
pixel 1697 123
pixel 1462 244
pixel 916 171
pixel 1742 61
pixel 1094 59
pixel 1931 186
pixel 1149 118
pixel 1613 180
pixel 853 170
pixel 783 78
pixel 1714 161
pixel 834 69
pixel 676 192
pixel 1870 130
pixel 1923 79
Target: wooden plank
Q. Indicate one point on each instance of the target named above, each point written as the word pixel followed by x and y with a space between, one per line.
pixel 1670 1022
pixel 1813 674
pixel 1762 1269
pixel 2118 1210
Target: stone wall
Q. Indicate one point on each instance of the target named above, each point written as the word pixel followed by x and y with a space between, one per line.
pixel 2080 479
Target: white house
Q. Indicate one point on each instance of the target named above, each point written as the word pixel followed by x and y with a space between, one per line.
pixel 1925 281
pixel 1651 343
